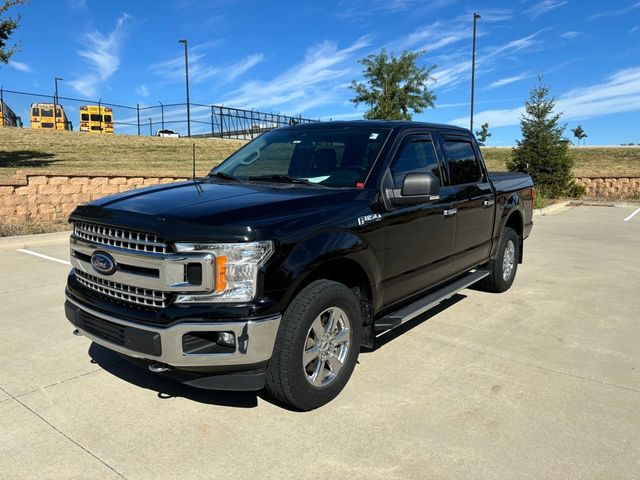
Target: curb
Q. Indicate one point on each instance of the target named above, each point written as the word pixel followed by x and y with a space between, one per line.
pixel 551 208
pixel 22 241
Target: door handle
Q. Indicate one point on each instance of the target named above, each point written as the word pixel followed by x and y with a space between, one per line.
pixel 450 212
pixel 488 203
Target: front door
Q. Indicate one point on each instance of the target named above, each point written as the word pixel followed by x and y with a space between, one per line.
pixel 418 238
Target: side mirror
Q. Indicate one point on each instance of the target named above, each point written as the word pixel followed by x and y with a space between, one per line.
pixel 417 187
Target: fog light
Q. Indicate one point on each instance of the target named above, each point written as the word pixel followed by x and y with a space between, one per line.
pixel 227 339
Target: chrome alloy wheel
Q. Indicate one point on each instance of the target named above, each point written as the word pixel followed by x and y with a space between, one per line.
pixel 508 260
pixel 326 347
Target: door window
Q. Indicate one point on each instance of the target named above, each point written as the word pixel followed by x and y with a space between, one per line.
pixel 416 155
pixel 464 166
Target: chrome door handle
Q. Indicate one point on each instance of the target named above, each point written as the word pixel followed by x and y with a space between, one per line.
pixel 450 212
pixel 488 203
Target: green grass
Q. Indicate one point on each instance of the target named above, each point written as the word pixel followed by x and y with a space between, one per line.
pixel 75 152
pixel 589 161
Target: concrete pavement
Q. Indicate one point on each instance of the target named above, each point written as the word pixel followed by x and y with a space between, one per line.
pixel 540 382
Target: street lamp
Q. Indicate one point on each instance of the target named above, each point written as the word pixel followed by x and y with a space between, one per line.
pixel 55 103
pixel 186 74
pixel 473 68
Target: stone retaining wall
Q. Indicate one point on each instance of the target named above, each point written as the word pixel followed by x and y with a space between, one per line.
pixel 48 197
pixel 611 188
pixel 52 196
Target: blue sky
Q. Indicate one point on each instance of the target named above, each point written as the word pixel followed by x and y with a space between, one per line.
pixel 298 57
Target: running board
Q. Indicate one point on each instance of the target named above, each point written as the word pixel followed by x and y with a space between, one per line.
pixel 418 307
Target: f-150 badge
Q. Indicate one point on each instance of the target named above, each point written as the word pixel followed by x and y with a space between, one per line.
pixel 369 218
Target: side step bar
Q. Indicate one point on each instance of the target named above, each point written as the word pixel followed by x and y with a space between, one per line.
pixel 420 306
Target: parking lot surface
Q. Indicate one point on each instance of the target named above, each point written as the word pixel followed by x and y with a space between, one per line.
pixel 540 382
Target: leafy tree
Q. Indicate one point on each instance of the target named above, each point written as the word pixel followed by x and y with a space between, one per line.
pixel 394 88
pixel 7 26
pixel 579 133
pixel 543 151
pixel 483 133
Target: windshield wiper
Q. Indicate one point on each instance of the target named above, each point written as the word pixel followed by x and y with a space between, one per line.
pixel 224 175
pixel 283 178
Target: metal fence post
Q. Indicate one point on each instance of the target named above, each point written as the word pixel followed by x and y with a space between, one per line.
pixel 212 120
pixel 221 124
pixel 2 104
pixel 150 127
pixel 138 115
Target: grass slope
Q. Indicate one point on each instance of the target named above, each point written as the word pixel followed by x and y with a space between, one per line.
pixel 69 152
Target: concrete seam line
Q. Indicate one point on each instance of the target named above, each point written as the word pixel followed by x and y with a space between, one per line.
pixel 64 434
pixel 632 215
pixel 41 255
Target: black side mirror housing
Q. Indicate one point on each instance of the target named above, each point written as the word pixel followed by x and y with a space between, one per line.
pixel 417 187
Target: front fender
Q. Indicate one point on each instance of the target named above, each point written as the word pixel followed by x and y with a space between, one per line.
pixel 322 248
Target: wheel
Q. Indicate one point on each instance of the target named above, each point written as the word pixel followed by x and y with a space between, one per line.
pixel 317 346
pixel 502 269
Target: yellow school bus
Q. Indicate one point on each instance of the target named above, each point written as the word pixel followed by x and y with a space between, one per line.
pixel 96 119
pixel 42 117
pixel 7 117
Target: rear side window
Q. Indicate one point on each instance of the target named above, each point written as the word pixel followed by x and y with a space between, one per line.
pixel 416 155
pixel 464 166
pixel 84 117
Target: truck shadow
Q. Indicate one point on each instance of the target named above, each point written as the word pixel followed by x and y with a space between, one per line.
pixel 383 338
pixel 166 388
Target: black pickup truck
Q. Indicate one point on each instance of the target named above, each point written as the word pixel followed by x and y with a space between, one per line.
pixel 297 250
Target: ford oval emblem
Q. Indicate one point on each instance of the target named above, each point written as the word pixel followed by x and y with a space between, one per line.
pixel 103 263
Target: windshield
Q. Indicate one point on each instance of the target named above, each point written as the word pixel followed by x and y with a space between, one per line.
pixel 333 157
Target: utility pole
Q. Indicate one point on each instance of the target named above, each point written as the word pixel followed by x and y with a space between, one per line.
pixel 186 74
pixel 473 68
pixel 161 113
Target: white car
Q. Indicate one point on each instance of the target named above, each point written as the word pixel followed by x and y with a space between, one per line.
pixel 167 133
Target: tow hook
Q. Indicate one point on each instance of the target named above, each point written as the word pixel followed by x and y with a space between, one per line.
pixel 156 367
pixel 77 333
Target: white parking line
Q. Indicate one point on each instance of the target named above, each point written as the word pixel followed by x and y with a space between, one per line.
pixel 632 215
pixel 46 257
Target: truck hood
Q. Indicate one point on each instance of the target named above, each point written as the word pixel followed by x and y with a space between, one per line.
pixel 196 210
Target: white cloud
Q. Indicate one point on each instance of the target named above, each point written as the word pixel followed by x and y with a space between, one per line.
pixel 433 37
pixel 305 85
pixel 143 91
pixel 570 35
pixel 102 56
pixel 77 5
pixel 620 92
pixel 615 13
pixel 22 67
pixel 501 82
pixel 199 70
pixel 544 6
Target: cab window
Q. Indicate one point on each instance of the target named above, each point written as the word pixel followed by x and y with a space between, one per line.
pixel 416 154
pixel 464 166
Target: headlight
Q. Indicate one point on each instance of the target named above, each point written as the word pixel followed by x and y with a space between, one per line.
pixel 236 270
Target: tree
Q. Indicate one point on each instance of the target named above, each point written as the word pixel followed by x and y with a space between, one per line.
pixel 579 133
pixel 395 88
pixel 543 151
pixel 483 133
pixel 7 26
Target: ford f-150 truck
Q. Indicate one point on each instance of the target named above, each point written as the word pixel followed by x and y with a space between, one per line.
pixel 300 248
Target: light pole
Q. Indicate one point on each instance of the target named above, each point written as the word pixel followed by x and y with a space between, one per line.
pixel 473 68
pixel 55 103
pixel 186 74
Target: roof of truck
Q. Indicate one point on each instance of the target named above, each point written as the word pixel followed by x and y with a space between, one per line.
pixel 395 124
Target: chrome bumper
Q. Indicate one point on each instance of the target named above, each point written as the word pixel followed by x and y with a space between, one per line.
pixel 254 340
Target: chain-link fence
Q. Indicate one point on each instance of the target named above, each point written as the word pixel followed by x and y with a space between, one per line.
pixel 204 120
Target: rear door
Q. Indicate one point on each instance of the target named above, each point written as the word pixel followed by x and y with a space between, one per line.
pixel 474 201
pixel 418 237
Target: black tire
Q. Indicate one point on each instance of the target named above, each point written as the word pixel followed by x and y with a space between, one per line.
pixel 496 282
pixel 287 379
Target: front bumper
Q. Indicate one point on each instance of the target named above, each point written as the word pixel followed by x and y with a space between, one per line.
pixel 255 338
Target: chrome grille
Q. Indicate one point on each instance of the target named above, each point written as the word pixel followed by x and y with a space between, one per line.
pixel 126 293
pixel 118 237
